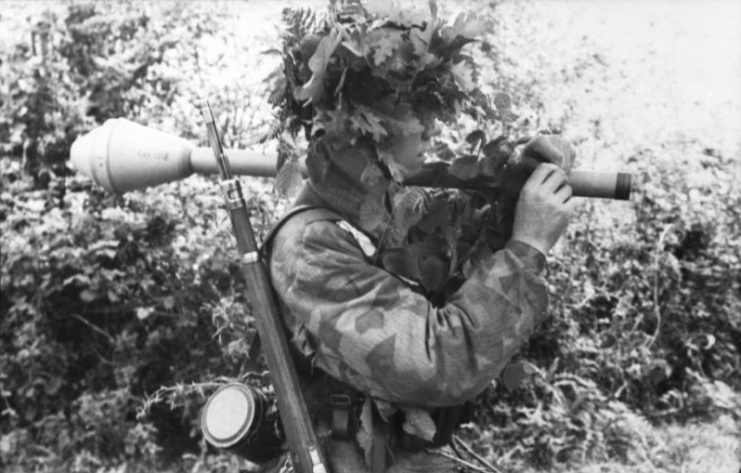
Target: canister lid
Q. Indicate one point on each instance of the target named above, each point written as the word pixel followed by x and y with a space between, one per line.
pixel 228 415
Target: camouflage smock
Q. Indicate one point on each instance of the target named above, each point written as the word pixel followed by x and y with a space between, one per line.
pixel 370 329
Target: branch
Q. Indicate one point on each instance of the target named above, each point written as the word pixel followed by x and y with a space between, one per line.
pixel 657 310
pixel 95 328
pixel 475 455
pixel 461 461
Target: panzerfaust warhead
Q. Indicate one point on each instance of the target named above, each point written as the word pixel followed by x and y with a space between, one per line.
pixel 122 156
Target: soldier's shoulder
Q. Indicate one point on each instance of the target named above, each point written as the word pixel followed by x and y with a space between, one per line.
pixel 312 231
pixel 307 223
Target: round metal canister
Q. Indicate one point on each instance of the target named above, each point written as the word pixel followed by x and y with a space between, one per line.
pixel 240 419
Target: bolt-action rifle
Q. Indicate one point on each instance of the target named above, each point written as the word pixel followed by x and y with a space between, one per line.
pixel 303 443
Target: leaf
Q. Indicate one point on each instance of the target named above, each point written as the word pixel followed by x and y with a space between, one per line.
pixel 408 207
pixel 419 423
pixel 144 312
pixel 515 373
pixel 80 280
pixel 367 121
pixel 317 166
pixel 354 46
pixel 320 58
pixel 385 409
pixel 400 118
pixel 364 436
pixel 503 102
pixel 420 39
pixel 313 90
pixel 372 213
pixel 433 8
pixel 475 139
pixel 438 216
pixel 88 295
pixel 103 245
pixel 383 43
pixel 169 303
pixel 463 75
pixel 372 177
pixel 403 13
pixel 410 203
pixel 496 153
pixel 433 272
pixel 467 268
pixel 337 127
pixel 468 25
pixel 289 180
pixel 465 167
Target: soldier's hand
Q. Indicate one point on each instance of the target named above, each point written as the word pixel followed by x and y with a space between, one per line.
pixel 543 208
pixel 550 149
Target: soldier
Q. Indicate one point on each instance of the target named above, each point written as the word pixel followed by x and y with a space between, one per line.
pixel 367 338
pixel 388 371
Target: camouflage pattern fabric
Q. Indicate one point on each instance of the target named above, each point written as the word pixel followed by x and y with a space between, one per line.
pixel 371 330
pixel 345 458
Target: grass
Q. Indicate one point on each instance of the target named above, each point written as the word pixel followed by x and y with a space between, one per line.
pixel 710 447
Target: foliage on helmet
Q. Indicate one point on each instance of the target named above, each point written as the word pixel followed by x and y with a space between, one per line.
pixel 390 76
pixel 384 72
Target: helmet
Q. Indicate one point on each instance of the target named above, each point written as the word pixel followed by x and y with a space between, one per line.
pixel 368 83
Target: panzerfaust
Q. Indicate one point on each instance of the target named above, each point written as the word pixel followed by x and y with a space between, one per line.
pixel 122 156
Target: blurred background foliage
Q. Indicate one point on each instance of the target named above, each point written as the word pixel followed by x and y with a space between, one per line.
pixel 118 315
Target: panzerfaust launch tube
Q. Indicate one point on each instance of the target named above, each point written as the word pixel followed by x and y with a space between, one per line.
pixel 122 156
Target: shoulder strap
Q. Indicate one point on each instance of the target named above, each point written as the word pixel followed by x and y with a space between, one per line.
pixel 313 212
pixel 266 249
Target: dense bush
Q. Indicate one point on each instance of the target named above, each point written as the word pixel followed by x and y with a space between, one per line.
pixel 104 302
pixel 120 313
pixel 645 328
pixel 107 299
pixel 645 298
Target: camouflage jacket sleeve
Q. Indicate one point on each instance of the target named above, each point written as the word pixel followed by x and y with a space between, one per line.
pixel 366 327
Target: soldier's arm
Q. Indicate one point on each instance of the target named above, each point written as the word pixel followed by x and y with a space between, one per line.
pixel 366 327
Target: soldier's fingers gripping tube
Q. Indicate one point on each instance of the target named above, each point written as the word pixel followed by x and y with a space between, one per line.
pixel 242 420
pixel 553 148
pixel 601 184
